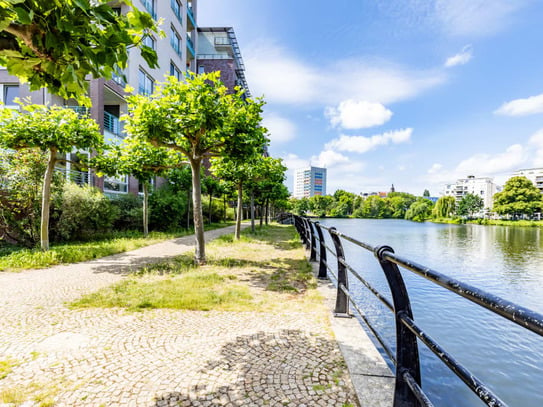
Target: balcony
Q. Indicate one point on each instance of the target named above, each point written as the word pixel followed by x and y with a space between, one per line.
pixel 191 21
pixel 78 177
pixel 80 110
pixel 222 42
pixel 190 47
pixel 112 124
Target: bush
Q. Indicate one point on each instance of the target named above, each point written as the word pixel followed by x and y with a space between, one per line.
pixel 130 212
pixel 167 209
pixel 85 211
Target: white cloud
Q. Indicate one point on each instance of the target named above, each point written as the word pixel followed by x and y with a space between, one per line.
pixel 435 168
pixel 283 78
pixel 352 114
pixel 361 144
pixel 281 130
pixel 461 58
pixel 328 158
pixel 292 161
pixel 475 17
pixel 522 107
pixel 537 141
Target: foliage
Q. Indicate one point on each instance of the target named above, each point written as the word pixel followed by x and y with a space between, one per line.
pixel 420 210
pixel 50 129
pixel 445 207
pixel 85 211
pixel 469 205
pixel 21 176
pixel 168 209
pixel 198 118
pixel 519 197
pixel 320 205
pixel 299 206
pixel 130 211
pixel 373 207
pixel 399 203
pixel 56 44
pixel 426 193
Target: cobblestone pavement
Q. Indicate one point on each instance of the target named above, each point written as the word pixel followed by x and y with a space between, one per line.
pixel 109 357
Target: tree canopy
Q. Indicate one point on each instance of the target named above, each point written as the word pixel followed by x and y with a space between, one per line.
pixel 519 197
pixel 469 204
pixel 57 43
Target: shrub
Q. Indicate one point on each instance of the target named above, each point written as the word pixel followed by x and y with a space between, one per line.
pixel 130 208
pixel 85 211
pixel 167 209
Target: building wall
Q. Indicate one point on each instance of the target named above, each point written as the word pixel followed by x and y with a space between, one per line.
pixel 225 66
pixel 309 182
pixel 533 174
pixel 483 187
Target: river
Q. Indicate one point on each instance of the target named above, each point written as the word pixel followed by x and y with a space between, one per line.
pixel 503 260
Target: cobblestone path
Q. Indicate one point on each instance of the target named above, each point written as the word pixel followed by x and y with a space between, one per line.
pixel 108 357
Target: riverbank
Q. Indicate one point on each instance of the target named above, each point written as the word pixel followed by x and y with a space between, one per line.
pixel 490 222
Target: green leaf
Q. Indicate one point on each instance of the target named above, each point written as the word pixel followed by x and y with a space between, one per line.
pixel 23 15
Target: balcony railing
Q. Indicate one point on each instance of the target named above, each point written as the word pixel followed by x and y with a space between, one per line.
pixel 191 21
pixel 112 124
pixel 408 388
pixel 190 46
pixel 79 177
pixel 81 110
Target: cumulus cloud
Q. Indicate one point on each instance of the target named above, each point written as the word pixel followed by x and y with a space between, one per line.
pixel 361 144
pixel 284 78
pixel 281 130
pixel 328 158
pixel 352 114
pixel 522 107
pixel 537 142
pixel 461 58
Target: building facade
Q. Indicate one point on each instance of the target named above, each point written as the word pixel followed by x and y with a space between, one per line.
pixel 533 174
pixel 309 182
pixel 483 187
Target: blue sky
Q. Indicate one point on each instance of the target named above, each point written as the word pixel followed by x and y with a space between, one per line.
pixel 415 93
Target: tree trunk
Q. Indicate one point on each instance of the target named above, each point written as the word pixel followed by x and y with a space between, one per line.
pixel 145 209
pixel 198 216
pixel 267 209
pixel 252 212
pixel 46 199
pixel 224 206
pixel 237 232
pixel 210 204
pixel 261 215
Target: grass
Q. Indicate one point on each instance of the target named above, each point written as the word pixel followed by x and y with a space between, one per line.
pixel 494 222
pixel 6 366
pixel 263 271
pixel 17 258
pixel 42 394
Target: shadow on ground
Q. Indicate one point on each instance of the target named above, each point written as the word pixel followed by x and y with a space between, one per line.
pixel 288 367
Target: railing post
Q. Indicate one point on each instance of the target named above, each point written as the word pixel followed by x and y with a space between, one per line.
pixel 342 301
pixel 407 353
pixel 299 228
pixel 313 252
pixel 307 240
pixel 322 254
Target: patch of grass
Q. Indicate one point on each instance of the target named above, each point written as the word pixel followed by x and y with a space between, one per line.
pixel 42 394
pixel 6 367
pixel 16 258
pixel 255 273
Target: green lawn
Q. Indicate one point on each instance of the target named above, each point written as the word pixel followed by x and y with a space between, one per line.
pixel 17 258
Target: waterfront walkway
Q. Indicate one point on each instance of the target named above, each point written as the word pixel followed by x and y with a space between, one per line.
pixel 109 357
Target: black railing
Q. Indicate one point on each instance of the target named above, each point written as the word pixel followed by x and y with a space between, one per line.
pixel 408 391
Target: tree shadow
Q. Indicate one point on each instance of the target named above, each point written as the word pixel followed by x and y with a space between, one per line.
pixel 287 367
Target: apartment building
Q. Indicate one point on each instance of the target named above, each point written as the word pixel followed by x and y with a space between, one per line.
pixel 309 181
pixel 533 174
pixel 482 186
pixel 176 54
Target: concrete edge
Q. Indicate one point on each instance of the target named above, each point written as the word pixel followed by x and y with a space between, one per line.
pixel 372 379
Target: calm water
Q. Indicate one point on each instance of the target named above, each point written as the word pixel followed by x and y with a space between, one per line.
pixel 506 261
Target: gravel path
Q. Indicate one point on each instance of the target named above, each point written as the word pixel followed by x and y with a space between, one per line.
pixel 109 357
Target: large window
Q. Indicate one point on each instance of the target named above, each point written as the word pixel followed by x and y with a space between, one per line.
pixel 9 94
pixel 175 71
pixel 149 41
pixel 175 41
pixel 176 7
pixel 116 184
pixel 146 83
pixel 150 6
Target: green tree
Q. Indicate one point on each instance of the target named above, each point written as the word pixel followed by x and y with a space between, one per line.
pixel 426 193
pixel 199 119
pixel 270 174
pixel 140 159
pixel 373 207
pixel 212 187
pixel 519 197
pixel 445 207
pixel 469 205
pixel 300 206
pixel 320 205
pixel 54 130
pixel 56 44
pixel 420 210
pixel 399 203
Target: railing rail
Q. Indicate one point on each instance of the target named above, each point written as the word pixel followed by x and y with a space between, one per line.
pixel 408 391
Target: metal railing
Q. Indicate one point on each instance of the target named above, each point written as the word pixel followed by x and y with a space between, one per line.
pixel 79 177
pixel 408 391
pixel 112 124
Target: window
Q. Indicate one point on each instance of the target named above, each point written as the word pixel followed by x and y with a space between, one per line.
pixel 201 69
pixel 149 41
pixel 176 7
pixel 175 41
pixel 150 6
pixel 174 71
pixel 116 184
pixel 146 83
pixel 9 94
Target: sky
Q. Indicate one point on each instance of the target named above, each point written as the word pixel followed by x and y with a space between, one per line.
pixel 415 93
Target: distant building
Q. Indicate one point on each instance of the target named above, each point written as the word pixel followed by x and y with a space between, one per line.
pixel 533 174
pixel 309 181
pixel 483 187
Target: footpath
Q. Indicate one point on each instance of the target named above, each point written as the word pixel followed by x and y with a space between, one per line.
pixel 51 355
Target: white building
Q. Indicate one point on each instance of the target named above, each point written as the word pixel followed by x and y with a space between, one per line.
pixel 482 186
pixel 309 181
pixel 533 174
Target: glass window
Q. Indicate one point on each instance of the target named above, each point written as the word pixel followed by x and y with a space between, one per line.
pixel 11 92
pixel 150 6
pixel 146 83
pixel 201 69
pixel 176 7
pixel 116 184
pixel 175 41
pixel 174 71
pixel 149 41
